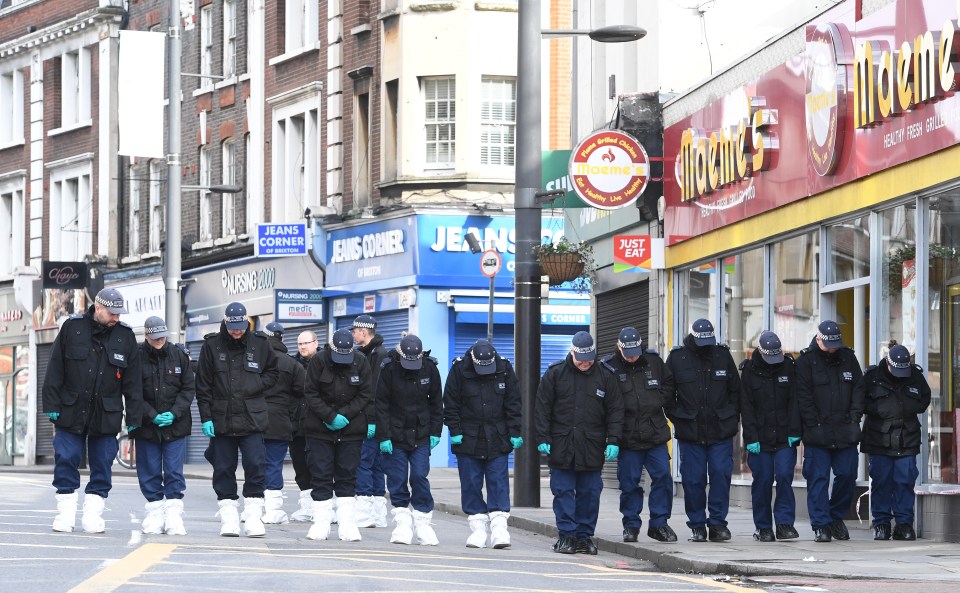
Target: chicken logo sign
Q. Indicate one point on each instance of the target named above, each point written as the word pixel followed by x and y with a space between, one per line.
pixel 609 169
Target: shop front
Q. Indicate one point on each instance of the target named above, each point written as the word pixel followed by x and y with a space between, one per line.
pixel 416 273
pixel 15 402
pixel 827 189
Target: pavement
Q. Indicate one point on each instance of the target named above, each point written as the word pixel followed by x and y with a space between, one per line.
pixel 860 558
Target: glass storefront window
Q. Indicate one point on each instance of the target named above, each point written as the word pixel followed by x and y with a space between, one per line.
pixel 700 299
pixel 796 301
pixel 849 250
pixel 943 373
pixel 13 401
pixel 897 319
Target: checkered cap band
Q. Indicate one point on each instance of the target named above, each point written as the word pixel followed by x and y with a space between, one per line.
pixel 343 351
pixel 480 362
pixel 629 344
pixel 585 350
pixel 364 325
pixel 404 355
pixel 829 337
pixel 118 304
pixel 235 318
pixel 774 352
pixel 157 329
pixel 898 365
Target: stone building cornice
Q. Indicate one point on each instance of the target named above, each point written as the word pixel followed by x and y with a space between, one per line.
pixel 91 19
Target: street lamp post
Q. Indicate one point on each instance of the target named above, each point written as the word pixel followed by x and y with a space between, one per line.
pixel 172 258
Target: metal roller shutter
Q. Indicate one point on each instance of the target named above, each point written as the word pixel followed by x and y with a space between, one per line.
pixel 44 426
pixel 196 442
pixel 617 309
pixel 554 342
pixel 389 325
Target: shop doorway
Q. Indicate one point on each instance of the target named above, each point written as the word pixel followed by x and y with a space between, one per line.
pixel 849 307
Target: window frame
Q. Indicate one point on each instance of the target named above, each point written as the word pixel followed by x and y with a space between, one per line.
pixel 439 123
pixel 487 103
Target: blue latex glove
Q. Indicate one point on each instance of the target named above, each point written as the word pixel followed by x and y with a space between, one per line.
pixel 434 441
pixel 544 448
pixel 371 430
pixel 53 416
pixel 517 442
pixel 132 428
pixel 457 440
pixel 338 423
pixel 611 452
pixel 165 419
pixel 793 441
pixel 208 429
pixel 386 447
pixel 754 448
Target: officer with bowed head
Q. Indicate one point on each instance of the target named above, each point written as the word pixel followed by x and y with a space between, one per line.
pixel 830 396
pixel 481 408
pixel 409 423
pixel 236 368
pixel 646 384
pixel 93 373
pixel 371 481
pixel 771 429
pixel 705 412
pixel 307 345
pixel 161 440
pixel 896 393
pixel 283 398
pixel 579 421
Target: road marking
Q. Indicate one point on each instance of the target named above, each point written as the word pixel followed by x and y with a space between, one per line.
pixel 126 569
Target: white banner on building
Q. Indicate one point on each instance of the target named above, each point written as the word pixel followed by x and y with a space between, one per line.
pixel 140 85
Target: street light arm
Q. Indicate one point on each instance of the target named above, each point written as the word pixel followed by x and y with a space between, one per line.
pixel 216 189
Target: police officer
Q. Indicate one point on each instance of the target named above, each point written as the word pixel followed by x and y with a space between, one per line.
pixel 409 423
pixel 307 344
pixel 579 420
pixel 161 440
pixel 896 392
pixel 771 429
pixel 481 408
pixel 282 400
pixel 646 384
pixel 94 361
pixel 371 481
pixel 338 392
pixel 830 397
pixel 236 368
pixel 706 416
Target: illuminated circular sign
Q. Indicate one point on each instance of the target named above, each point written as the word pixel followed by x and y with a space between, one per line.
pixel 827 57
pixel 609 169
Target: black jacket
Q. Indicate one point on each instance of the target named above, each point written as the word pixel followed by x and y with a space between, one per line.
pixel 768 402
pixel 284 397
pixel 578 413
pixel 646 386
pixel 409 403
pixel 705 408
pixel 167 387
pixel 375 353
pixel 485 409
pixel 892 404
pixel 232 379
pixel 830 397
pixel 93 371
pixel 333 389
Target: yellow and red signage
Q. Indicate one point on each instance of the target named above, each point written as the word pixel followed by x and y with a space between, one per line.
pixel 609 169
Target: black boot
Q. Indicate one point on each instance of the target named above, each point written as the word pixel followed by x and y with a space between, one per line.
pixel 838 529
pixel 630 534
pixel 662 533
pixel 586 546
pixel 822 534
pixel 719 533
pixel 904 532
pixel 699 534
pixel 565 545
pixel 785 531
pixel 764 534
pixel 881 531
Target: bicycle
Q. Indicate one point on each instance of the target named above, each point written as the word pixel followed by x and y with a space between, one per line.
pixel 126 451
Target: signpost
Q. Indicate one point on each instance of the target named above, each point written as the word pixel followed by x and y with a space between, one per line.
pixel 490 264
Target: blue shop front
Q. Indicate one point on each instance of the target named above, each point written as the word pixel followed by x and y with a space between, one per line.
pixel 416 274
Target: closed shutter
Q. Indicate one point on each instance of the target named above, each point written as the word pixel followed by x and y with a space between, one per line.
pixel 624 307
pixel 390 325
pixel 554 342
pixel 44 426
pixel 196 442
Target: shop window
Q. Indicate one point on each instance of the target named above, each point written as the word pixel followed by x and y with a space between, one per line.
pixel 796 294
pixel 897 319
pixel 849 254
pixel 943 372
pixel 700 298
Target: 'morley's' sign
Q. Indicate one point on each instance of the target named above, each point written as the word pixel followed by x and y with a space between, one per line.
pixel 867 100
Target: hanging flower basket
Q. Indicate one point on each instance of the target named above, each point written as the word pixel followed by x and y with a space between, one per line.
pixel 561 267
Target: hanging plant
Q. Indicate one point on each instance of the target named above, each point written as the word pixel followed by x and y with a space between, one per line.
pixel 566 261
pixel 896 259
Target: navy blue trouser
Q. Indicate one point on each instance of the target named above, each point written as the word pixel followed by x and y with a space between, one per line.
pixel 891 488
pixel 413 467
pixel 371 480
pixel 68 453
pixel 301 469
pixel 630 464
pixel 333 468
pixel 576 501
pixel 822 507
pixel 274 453
pixel 768 467
pixel 697 462
pixel 160 468
pixel 473 473
pixel 224 458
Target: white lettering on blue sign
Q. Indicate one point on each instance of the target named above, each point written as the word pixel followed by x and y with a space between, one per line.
pixel 367 246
